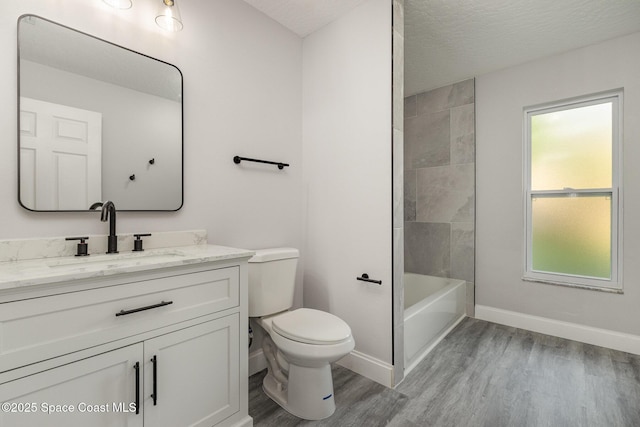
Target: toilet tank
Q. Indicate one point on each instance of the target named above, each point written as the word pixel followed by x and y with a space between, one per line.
pixel 272 279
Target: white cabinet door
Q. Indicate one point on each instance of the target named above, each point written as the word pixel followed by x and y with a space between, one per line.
pixel 196 375
pixel 99 391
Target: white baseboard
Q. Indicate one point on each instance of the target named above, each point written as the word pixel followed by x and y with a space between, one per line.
pixel 370 367
pixel 257 362
pixel 573 331
pixel 245 422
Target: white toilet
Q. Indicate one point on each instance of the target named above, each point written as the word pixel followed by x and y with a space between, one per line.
pixel 299 345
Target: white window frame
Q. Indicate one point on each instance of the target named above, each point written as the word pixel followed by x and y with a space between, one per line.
pixel 614 283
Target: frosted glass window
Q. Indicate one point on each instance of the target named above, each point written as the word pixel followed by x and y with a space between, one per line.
pixel 572 148
pixel 572 192
pixel 572 235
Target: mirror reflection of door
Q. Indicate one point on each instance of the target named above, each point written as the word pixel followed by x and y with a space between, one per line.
pixel 60 156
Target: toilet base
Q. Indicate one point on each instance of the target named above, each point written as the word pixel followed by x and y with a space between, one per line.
pixel 308 393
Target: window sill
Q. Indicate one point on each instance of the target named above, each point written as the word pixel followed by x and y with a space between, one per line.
pixel 619 291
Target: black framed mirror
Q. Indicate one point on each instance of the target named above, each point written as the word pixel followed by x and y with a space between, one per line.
pixel 96 122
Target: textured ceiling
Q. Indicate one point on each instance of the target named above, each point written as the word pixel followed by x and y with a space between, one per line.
pixel 451 40
pixel 303 17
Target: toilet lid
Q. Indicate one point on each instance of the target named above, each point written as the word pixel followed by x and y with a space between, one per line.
pixel 311 326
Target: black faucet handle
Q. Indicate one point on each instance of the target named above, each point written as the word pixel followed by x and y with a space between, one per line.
pixel 137 244
pixel 82 246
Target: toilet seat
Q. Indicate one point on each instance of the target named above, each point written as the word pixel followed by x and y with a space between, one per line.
pixel 310 326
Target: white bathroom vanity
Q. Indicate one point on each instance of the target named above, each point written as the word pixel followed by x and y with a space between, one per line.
pixel 153 338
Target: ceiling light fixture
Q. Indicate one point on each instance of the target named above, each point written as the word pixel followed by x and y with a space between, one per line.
pixel 169 16
pixel 119 4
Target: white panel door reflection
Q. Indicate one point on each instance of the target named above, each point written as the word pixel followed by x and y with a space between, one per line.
pixel 60 156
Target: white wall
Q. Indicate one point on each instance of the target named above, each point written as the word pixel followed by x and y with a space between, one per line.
pixel 347 157
pixel 242 95
pixel 500 98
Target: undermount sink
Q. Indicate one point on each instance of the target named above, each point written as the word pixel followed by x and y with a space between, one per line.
pixel 122 258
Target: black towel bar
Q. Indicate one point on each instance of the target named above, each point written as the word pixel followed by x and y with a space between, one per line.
pixel 238 159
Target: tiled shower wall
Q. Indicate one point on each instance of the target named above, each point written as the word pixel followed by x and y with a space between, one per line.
pixel 439 183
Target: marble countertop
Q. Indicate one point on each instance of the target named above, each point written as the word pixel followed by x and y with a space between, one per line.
pixel 15 274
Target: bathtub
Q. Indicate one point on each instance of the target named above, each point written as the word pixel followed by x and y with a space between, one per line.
pixel 432 307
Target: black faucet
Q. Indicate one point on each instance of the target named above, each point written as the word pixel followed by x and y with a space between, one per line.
pixel 109 211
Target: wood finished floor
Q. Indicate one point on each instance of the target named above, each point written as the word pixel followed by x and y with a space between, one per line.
pixel 484 374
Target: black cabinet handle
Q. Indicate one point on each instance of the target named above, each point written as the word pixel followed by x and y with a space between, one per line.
pixel 137 369
pixel 154 395
pixel 365 278
pixel 149 307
